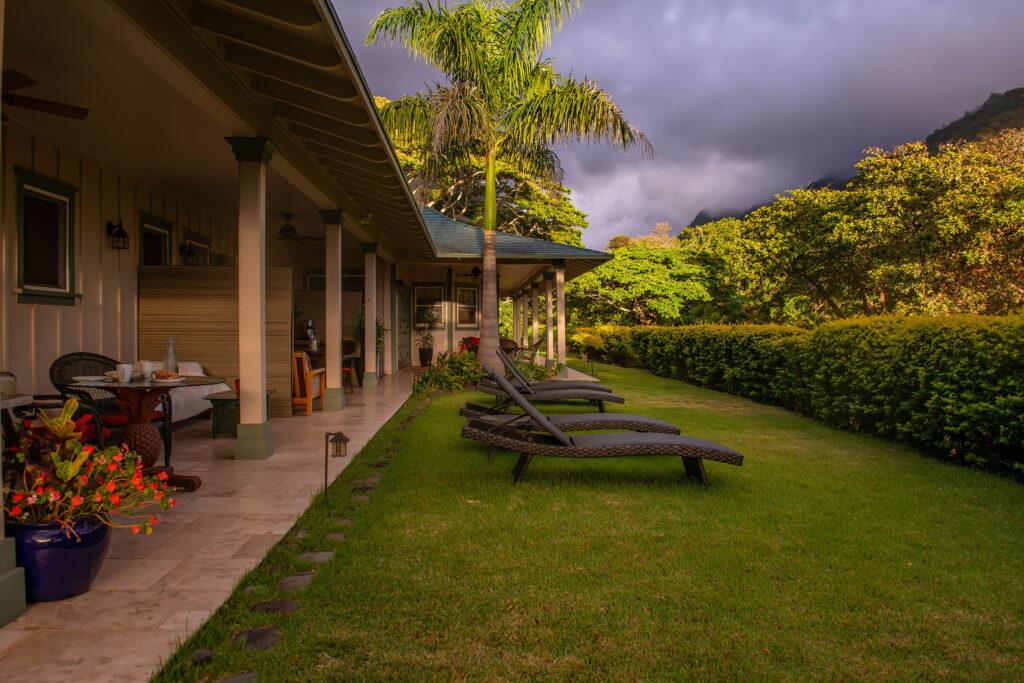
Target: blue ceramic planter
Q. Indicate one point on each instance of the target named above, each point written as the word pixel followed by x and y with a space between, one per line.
pixel 58 567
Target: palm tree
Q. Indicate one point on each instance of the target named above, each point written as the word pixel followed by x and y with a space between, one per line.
pixel 503 100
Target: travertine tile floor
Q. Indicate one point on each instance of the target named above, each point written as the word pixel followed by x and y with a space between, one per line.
pixel 155 590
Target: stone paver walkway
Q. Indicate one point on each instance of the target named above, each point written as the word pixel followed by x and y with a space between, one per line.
pixel 154 591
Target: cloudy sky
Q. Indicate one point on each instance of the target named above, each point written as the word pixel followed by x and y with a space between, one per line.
pixel 746 98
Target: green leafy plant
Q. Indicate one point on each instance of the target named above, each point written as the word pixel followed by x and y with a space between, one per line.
pixel 381 331
pixel 426 323
pixel 451 372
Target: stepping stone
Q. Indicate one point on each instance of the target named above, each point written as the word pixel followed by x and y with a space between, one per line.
pixel 381 463
pixel 262 638
pixel 274 607
pixel 249 590
pixel 360 499
pixel 336 537
pixel 244 677
pixel 316 556
pixel 371 480
pixel 296 582
pixel 344 521
pixel 202 656
pixel 363 489
pixel 300 534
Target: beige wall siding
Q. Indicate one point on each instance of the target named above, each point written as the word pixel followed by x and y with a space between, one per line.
pixel 103 320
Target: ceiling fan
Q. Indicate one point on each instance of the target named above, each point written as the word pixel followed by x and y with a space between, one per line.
pixel 289 233
pixel 15 80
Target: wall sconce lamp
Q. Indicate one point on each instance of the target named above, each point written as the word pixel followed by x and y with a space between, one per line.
pixel 476 272
pixel 118 235
pixel 335 446
pixel 188 254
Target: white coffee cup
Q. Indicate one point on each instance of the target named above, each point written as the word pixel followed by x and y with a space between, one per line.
pixel 147 367
pixel 124 372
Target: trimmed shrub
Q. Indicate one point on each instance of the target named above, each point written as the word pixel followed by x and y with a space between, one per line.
pixel 953 386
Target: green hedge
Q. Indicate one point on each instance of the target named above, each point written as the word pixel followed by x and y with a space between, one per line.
pixel 953 386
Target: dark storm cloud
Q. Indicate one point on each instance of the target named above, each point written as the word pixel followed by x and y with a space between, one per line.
pixel 745 98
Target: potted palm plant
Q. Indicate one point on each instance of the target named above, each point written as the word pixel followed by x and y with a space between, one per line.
pixel 63 497
pixel 380 334
pixel 427 323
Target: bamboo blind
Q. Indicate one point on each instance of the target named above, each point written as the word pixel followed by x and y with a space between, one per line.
pixel 197 306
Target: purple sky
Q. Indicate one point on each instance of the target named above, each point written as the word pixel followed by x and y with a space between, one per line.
pixel 746 98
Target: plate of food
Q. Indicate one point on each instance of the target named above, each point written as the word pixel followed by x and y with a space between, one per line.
pixel 85 379
pixel 167 377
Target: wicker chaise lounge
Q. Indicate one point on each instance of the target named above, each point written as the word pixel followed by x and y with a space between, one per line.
pixel 523 383
pixel 598 398
pixel 548 440
pixel 569 422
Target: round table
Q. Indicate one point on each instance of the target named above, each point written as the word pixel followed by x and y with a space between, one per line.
pixel 139 401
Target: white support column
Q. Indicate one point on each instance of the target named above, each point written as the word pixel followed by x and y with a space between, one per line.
pixel 524 339
pixel 253 436
pixel 560 302
pixel 334 398
pixel 549 305
pixel 387 302
pixel 515 317
pixel 535 308
pixel 370 315
pixel 12 577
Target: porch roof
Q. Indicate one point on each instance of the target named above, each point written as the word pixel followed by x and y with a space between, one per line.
pixel 287 70
pixel 455 240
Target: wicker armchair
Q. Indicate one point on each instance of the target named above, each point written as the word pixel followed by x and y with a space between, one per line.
pixel 82 363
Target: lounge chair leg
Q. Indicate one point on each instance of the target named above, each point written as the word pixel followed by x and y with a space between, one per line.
pixel 600 406
pixel 695 468
pixel 490 454
pixel 520 468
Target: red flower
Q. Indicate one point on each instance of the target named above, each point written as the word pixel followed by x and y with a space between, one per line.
pixel 17 496
pixel 76 501
pixel 153 520
pixel 135 529
pixel 98 498
pixel 87 448
pixel 161 475
pixel 111 467
pixel 111 486
pixel 115 499
pixel 84 478
pixel 16 510
pixel 173 502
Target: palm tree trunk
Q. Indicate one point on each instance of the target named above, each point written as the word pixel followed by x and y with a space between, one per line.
pixel 488 351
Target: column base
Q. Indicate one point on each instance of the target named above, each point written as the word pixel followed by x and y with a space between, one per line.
pixel 12 583
pixel 334 399
pixel 550 363
pixel 369 380
pixel 563 370
pixel 253 442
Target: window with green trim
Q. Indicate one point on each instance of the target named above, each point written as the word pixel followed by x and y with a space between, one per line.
pixel 467 307
pixel 46 234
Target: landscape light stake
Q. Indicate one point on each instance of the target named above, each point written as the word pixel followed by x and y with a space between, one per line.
pixel 335 446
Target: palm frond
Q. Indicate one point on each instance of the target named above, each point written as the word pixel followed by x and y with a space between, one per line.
pixel 527 27
pixel 458 115
pixel 571 110
pixel 537 160
pixel 407 120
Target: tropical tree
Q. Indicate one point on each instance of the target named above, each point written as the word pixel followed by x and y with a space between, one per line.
pixel 502 102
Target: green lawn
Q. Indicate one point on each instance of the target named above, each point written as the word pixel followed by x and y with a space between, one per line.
pixel 826 555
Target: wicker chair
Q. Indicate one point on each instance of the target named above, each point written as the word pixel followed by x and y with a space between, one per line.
pixel 308 383
pixel 103 402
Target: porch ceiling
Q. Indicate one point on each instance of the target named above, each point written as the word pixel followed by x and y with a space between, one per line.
pixel 286 68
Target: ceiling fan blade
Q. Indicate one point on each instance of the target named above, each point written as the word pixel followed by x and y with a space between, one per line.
pixel 15 80
pixel 46 106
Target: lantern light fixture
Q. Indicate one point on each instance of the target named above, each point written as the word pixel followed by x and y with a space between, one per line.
pixel 118 235
pixel 335 446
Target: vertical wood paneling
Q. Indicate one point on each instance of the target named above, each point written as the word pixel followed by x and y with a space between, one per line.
pixel 105 318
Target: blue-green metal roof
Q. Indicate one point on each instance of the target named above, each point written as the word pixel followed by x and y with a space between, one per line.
pixel 455 240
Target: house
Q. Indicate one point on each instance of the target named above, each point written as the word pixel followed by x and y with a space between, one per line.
pixel 214 171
